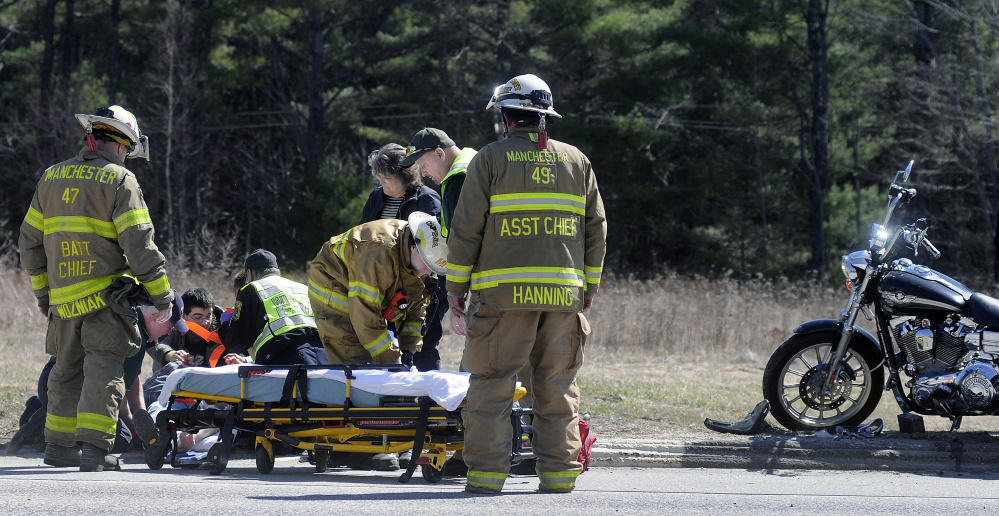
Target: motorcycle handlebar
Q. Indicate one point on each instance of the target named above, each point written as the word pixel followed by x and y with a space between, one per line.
pixel 930 248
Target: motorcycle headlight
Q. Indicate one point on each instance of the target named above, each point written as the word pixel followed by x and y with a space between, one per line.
pixel 879 236
pixel 854 265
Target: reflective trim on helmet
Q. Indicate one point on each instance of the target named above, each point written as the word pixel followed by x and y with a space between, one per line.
pixel 538 275
pixel 537 201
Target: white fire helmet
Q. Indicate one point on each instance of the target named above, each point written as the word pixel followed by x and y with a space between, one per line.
pixel 526 93
pixel 429 242
pixel 119 124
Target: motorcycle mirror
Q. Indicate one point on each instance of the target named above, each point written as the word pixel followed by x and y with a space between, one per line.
pixel 903 173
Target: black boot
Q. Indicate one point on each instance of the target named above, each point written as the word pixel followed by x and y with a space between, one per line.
pixel 145 427
pixel 96 459
pixel 61 456
pixel 454 467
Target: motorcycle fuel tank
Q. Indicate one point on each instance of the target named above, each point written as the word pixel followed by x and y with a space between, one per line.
pixel 910 289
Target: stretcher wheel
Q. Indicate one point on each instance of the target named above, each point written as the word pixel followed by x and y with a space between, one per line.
pixel 322 460
pixel 265 459
pixel 431 474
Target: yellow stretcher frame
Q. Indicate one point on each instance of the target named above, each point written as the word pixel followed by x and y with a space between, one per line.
pixel 422 426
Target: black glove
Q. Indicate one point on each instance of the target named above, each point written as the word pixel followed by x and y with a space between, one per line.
pixel 407 358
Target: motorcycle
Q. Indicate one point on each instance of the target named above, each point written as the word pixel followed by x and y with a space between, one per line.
pixel 936 349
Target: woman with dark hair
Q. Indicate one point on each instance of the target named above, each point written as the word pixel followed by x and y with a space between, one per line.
pixel 400 191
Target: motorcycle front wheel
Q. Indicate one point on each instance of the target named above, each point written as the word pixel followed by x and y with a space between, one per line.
pixel 800 398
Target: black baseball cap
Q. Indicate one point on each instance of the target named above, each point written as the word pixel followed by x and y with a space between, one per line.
pixel 426 139
pixel 259 260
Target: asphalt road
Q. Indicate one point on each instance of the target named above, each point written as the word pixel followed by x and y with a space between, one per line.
pixel 927 452
pixel 699 473
pixel 29 487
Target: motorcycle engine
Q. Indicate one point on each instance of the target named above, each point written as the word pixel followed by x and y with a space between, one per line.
pixel 972 389
pixel 932 348
pixel 947 374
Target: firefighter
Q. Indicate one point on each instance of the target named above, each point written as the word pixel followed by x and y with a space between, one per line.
pixel 527 241
pixel 87 226
pixel 372 274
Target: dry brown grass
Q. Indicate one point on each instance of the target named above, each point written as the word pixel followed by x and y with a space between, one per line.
pixel 664 353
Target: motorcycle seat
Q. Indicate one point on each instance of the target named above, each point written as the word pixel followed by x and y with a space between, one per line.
pixel 984 309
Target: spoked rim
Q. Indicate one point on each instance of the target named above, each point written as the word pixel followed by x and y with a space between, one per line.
pixel 807 399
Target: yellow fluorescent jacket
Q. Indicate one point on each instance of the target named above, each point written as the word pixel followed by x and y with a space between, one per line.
pixel 86 226
pixel 529 232
pixel 287 305
pixel 359 272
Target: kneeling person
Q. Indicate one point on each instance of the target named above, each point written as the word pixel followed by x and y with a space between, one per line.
pixel 273 321
pixel 370 275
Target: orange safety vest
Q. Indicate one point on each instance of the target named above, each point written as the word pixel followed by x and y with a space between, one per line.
pixel 209 336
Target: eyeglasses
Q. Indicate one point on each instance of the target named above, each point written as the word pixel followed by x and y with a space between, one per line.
pixel 198 317
pixel 412 150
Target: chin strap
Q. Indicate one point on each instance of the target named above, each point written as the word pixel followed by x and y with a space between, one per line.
pixel 542 134
pixel 91 142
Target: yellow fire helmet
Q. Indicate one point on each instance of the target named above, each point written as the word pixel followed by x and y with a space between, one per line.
pixel 427 234
pixel 119 124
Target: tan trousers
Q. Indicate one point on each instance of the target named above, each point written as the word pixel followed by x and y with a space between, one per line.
pixel 498 346
pixel 85 386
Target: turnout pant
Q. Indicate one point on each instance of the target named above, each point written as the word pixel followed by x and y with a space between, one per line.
pixel 85 386
pixel 499 345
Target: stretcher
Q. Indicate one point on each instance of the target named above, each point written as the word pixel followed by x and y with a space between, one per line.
pixel 323 409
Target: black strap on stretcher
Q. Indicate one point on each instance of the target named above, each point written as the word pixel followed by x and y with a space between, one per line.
pixel 218 454
pixel 419 436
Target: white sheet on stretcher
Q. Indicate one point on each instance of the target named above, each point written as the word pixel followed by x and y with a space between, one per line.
pixel 448 389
